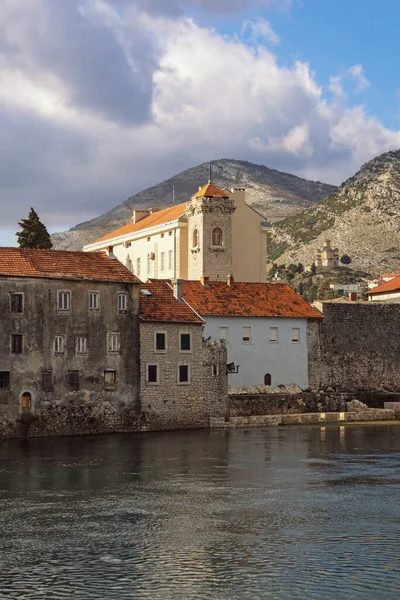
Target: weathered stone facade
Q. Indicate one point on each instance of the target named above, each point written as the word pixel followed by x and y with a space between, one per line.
pixel 207 258
pixel 169 404
pixel 75 383
pixel 357 345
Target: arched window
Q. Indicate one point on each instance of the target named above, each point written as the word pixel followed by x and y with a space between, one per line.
pixel 26 401
pixel 216 236
pixel 195 238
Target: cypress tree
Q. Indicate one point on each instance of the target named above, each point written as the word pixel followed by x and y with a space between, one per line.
pixel 33 233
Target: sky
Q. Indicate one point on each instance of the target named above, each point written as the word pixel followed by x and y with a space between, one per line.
pixel 100 99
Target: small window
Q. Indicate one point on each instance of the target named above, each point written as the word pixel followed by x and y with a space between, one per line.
pixel 94 301
pixel 160 341
pixel 169 232
pixel 246 335
pixel 110 378
pixel 162 261
pixel 152 374
pixel 73 380
pixel 185 342
pixel 216 236
pixel 17 343
pixel 296 335
pixel 4 380
pixel 195 241
pixel 47 381
pixel 215 370
pixel 58 344
pixel 81 344
pixel 162 235
pixel 170 260
pixel 148 239
pixel 224 334
pixel 122 303
pixel 183 374
pixel 273 335
pixel 138 266
pixel 63 301
pixel 17 303
pixel 113 342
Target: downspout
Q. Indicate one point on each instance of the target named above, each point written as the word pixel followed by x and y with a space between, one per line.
pixel 175 275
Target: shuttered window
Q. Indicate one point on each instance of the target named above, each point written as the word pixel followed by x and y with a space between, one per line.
pixel 17 303
pixel 4 380
pixel 17 343
pixel 47 381
pixel 73 380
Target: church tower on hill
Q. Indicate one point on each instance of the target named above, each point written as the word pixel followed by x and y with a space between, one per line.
pixel 209 214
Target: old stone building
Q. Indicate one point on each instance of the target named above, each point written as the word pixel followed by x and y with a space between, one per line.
pixel 214 234
pixel 69 342
pixel 328 257
pixel 183 379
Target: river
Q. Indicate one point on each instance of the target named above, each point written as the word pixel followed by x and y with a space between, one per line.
pixel 277 513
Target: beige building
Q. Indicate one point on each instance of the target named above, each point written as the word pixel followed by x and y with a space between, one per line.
pixel 328 257
pixel 215 234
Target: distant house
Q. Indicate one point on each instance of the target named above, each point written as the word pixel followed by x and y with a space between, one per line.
pixel 386 292
pixel 264 326
pixel 183 380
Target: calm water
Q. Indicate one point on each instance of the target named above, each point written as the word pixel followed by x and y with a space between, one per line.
pixel 276 513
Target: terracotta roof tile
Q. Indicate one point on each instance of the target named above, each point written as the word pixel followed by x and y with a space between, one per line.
pixel 209 190
pixel 162 306
pixel 157 218
pixel 389 286
pixel 62 264
pixel 247 300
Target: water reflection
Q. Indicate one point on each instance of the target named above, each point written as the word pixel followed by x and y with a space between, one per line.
pixel 276 513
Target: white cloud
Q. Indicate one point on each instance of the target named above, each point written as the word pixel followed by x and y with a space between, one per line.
pixel 79 135
pixel 260 31
pixel 357 72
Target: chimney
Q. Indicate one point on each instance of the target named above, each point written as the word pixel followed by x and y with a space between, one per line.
pixel 110 252
pixel 153 210
pixel 205 281
pixel 177 287
pixel 138 215
pixel 353 296
pixel 229 280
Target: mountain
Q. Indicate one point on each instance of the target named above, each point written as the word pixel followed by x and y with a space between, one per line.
pixel 274 194
pixel 362 218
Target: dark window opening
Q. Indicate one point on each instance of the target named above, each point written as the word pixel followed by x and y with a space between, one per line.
pixel 17 343
pixel 73 380
pixel 216 237
pixel 183 373
pixel 160 341
pixel 47 381
pixel 185 341
pixel 152 373
pixel 17 303
pixel 26 401
pixel 110 378
pixel 4 380
pixel 267 379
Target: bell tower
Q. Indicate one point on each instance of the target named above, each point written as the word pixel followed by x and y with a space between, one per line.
pixel 209 214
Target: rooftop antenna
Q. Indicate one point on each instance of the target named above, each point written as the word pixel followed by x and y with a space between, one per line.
pixel 209 177
pixel 173 194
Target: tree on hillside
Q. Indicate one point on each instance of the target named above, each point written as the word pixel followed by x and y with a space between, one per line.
pixel 313 268
pixel 33 233
pixel 346 259
pixel 300 268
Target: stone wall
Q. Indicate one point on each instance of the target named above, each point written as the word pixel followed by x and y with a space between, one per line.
pixel 357 345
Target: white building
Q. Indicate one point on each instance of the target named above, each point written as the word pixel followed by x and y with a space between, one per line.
pixel 387 292
pixel 264 325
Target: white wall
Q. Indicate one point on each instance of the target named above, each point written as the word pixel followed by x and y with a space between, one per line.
pixel 287 362
pixel 391 297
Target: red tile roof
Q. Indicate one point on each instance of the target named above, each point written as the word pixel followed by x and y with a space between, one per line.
pixel 389 286
pixel 157 218
pixel 247 300
pixel 209 190
pixel 162 306
pixel 62 264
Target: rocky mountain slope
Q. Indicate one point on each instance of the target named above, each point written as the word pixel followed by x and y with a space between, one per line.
pixel 362 218
pixel 274 194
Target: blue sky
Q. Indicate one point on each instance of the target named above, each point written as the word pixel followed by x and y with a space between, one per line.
pixel 102 98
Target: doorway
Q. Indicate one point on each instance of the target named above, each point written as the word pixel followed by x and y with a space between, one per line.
pixel 267 379
pixel 26 401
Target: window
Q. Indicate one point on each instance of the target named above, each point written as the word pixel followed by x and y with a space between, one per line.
pixel 170 260
pixel 110 378
pixel 113 342
pixel 185 342
pixel 195 241
pixel 17 303
pixel 162 261
pixel 63 301
pixel 215 370
pixel 273 335
pixel 47 381
pixel 138 266
pixel 81 345
pixel 4 380
pixel 169 232
pixel 94 300
pixel 183 374
pixel 73 380
pixel 224 334
pixel 160 341
pixel 152 374
pixel 216 236
pixel 295 335
pixel 58 344
pixel 246 335
pixel 17 343
pixel 122 303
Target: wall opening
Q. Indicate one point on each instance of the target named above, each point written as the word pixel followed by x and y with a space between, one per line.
pixel 26 401
pixel 267 379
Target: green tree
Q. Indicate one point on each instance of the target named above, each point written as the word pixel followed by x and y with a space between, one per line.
pixel 300 268
pixel 33 233
pixel 273 270
pixel 346 259
pixel 313 268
